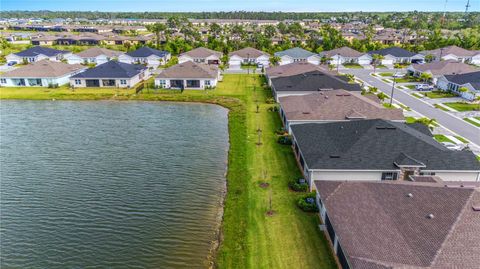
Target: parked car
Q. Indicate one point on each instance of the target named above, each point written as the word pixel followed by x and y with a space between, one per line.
pixel 11 63
pixel 423 87
pixel 452 146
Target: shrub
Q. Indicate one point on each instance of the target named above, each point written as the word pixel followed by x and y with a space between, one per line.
pixel 382 96
pixel 296 186
pixel 285 140
pixel 273 109
pixel 270 100
pixel 281 131
pixel 307 202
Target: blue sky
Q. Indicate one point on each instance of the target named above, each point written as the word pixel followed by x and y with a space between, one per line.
pixel 249 5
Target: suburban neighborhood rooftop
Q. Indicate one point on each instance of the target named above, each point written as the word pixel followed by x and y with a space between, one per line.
pixel 43 69
pixel 312 81
pixel 189 70
pixel 404 224
pixel 112 69
pixel 376 145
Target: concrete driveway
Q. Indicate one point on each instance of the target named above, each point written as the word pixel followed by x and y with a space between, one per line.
pixel 446 119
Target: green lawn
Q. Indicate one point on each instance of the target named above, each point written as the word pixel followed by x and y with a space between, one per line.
pixel 418 95
pixel 251 239
pixel 411 87
pixel 353 66
pixel 441 138
pixel 463 106
pixel 472 122
pixel 386 74
pixel 461 139
pixel 439 94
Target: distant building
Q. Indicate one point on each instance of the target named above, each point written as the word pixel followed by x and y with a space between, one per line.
pixel 146 55
pixel 297 55
pixel 201 55
pixel 93 55
pixel 37 53
pixel 188 75
pixel 111 74
pixel 248 56
pixel 42 73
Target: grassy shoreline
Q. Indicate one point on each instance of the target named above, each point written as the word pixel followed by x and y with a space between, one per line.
pixel 249 237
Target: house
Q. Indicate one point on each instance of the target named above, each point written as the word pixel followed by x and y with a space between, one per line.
pixel 111 74
pixel 145 55
pixel 310 82
pixel 401 224
pixel 346 55
pixel 439 68
pixel 454 53
pixel 37 53
pixel 453 83
pixel 333 106
pixel 201 55
pixel 188 75
pixel 290 70
pixel 297 55
pixel 377 150
pixel 42 73
pixel 248 56
pixel 93 55
pixel 395 55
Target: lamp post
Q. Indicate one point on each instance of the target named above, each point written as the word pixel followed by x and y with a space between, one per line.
pixel 393 89
pixel 338 61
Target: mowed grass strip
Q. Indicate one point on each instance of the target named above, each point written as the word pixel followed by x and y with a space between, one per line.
pixel 250 238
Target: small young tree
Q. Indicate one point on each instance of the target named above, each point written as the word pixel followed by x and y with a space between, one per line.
pixel 377 58
pixel 425 77
pixel 274 60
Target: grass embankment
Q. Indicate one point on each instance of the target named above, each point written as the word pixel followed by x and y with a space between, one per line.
pixel 251 239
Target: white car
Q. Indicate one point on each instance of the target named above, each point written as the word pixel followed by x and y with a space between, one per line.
pixel 423 87
pixel 452 146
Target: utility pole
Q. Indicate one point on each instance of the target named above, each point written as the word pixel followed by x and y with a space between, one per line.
pixel 467 6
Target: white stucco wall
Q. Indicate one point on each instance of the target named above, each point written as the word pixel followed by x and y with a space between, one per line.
pixel 213 82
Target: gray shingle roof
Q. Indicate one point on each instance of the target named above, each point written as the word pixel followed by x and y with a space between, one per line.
pixel 380 226
pixel 295 53
pixel 112 69
pixel 375 145
pixel 394 51
pixel 37 50
pixel 312 81
pixel 460 79
pixel 439 68
pixel 146 51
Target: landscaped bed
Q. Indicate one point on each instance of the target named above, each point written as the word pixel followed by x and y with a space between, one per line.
pixel 289 238
pixel 441 138
pixel 473 122
pixel 386 74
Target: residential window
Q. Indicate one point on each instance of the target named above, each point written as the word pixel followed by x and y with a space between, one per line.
pixel 427 173
pixel 78 82
pixel 2 80
pixel 162 83
pixel 389 176
pixel 207 83
pixel 123 82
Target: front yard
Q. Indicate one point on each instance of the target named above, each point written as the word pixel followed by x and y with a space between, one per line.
pixel 353 66
pixel 439 94
pixel 290 238
pixel 474 120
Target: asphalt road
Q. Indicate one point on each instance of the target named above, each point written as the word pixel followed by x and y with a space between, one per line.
pixel 449 121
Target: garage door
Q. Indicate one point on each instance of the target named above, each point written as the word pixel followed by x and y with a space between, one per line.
pixel 234 64
pixel 387 61
pixel 364 61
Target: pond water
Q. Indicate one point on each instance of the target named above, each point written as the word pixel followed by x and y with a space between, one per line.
pixel 110 184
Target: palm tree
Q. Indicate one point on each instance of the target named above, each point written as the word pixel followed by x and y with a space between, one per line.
pixel 157 28
pixel 274 60
pixel 425 76
pixel 376 59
